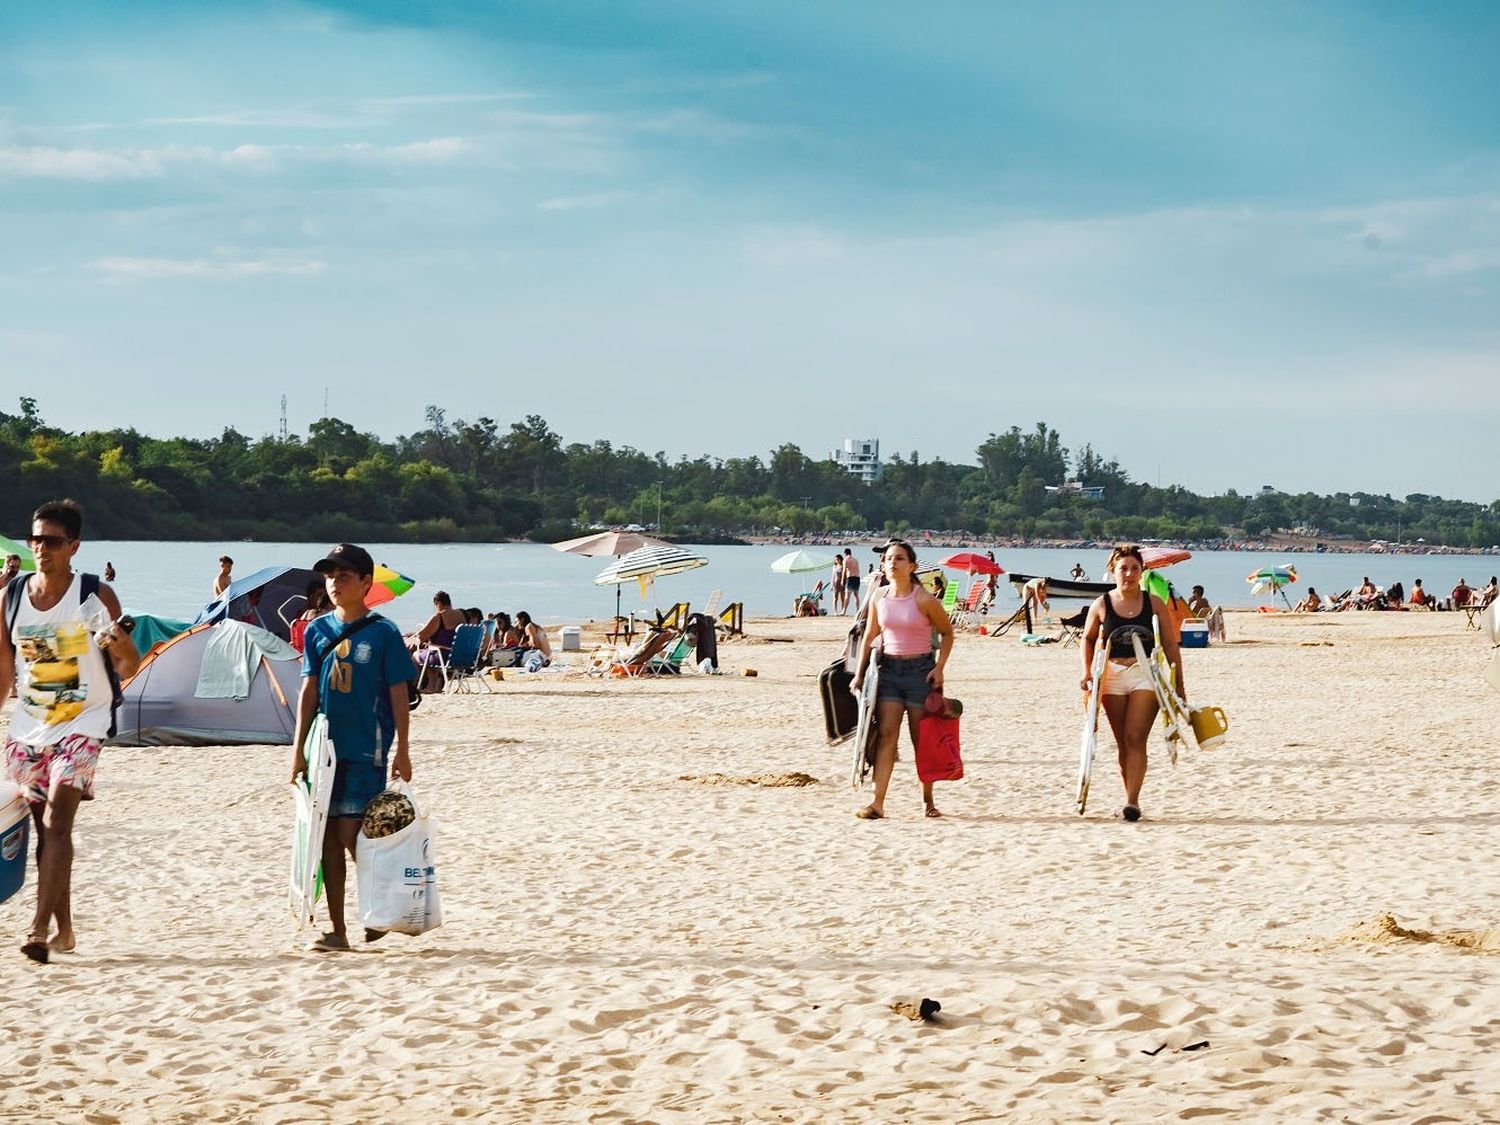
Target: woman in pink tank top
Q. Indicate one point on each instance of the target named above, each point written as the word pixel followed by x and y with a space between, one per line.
pixel 903 617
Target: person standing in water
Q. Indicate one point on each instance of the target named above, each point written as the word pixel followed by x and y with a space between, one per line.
pixel 906 617
pixel 1128 700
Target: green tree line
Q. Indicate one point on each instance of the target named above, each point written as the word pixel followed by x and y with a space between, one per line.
pixel 481 480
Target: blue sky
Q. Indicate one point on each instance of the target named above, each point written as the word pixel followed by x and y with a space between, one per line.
pixel 1229 244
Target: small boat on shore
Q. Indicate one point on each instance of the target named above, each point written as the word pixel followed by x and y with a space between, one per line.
pixel 1063 587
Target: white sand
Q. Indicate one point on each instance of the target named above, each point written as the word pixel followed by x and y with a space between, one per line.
pixel 622 945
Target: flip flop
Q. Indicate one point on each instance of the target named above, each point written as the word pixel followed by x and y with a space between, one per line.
pixel 869 813
pixel 331 943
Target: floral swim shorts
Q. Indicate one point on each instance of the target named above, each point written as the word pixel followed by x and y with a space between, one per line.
pixel 40 769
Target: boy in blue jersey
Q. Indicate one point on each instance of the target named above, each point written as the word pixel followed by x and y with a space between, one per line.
pixel 355 669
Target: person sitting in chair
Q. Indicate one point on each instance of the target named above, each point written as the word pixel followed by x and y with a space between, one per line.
pixel 1198 604
pixel 433 641
pixel 1461 595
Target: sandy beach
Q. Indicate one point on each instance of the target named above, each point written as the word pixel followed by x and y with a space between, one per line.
pixel 628 938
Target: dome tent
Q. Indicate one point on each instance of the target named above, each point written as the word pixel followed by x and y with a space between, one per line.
pixel 160 707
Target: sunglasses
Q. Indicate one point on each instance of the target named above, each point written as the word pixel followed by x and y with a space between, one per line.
pixel 52 542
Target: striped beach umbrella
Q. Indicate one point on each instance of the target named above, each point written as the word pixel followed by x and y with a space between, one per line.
pixel 646 565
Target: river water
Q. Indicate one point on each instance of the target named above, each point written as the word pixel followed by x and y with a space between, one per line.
pixel 174 579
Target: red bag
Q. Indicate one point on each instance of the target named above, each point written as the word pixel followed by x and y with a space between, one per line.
pixel 937 749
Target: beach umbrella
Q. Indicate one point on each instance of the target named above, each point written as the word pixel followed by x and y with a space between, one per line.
pixel 388 586
pixel 799 562
pixel 646 565
pixel 607 543
pixel 1271 579
pixel 9 546
pixel 617 543
pixel 1154 558
pixel 972 562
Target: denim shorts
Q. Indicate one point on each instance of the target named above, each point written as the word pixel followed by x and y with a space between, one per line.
pixel 903 679
pixel 355 785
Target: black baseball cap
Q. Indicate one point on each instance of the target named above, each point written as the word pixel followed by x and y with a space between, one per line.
pixel 349 556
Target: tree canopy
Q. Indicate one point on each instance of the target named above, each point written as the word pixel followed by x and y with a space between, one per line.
pixel 483 480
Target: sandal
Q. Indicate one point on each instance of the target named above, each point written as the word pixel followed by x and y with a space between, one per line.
pixel 331 943
pixel 869 812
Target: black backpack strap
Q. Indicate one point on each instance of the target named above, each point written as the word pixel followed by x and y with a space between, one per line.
pixel 348 631
pixel 15 590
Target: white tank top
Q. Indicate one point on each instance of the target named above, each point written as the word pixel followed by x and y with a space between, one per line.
pixel 62 687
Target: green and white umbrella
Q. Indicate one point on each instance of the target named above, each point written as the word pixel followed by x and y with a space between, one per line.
pixel 799 562
pixel 647 564
pixel 9 546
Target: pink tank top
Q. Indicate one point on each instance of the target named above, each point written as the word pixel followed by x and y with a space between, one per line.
pixel 905 628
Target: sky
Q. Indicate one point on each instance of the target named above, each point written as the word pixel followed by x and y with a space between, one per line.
pixel 1227 244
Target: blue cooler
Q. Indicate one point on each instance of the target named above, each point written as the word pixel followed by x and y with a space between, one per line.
pixel 14 819
pixel 1194 634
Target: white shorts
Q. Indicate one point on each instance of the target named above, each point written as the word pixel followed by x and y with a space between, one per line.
pixel 1122 679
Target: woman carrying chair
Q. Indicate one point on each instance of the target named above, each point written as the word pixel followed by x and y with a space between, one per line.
pixel 906 616
pixel 1129 700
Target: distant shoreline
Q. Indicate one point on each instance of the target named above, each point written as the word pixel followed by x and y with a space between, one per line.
pixel 1272 545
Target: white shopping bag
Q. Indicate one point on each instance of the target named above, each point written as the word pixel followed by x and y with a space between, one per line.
pixel 397 874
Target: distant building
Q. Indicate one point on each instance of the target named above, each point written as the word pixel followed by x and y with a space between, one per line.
pixel 1087 491
pixel 860 457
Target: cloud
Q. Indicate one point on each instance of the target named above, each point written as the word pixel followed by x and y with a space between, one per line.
pixel 581 202
pixel 115 271
pixel 103 164
pixel 437 149
pixel 39 162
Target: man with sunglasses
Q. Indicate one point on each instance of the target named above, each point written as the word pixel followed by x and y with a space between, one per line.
pixel 64 704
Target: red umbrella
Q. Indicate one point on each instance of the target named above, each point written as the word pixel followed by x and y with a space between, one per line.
pixel 973 562
pixel 1155 558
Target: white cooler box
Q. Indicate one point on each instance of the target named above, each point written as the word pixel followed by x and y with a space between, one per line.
pixel 571 638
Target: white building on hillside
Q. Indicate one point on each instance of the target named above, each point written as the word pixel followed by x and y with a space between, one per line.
pixel 860 458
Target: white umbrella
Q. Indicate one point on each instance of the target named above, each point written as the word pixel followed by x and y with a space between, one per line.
pixel 797 562
pixel 607 543
pixel 615 543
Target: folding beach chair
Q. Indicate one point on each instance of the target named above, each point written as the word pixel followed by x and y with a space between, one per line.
pixel 462 669
pixel 632 661
pixel 674 618
pixel 731 620
pixel 1072 627
pixel 966 614
pixel 669 661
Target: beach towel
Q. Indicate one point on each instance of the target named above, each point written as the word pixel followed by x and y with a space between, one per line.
pixel 232 657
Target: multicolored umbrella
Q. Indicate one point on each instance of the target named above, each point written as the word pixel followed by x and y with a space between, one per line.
pixel 9 546
pixel 1270 579
pixel 388 586
pixel 972 562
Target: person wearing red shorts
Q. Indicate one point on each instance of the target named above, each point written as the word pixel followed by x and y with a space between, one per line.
pixel 64 706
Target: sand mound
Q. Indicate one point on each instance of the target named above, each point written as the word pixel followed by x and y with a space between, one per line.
pixel 764 780
pixel 1385 930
